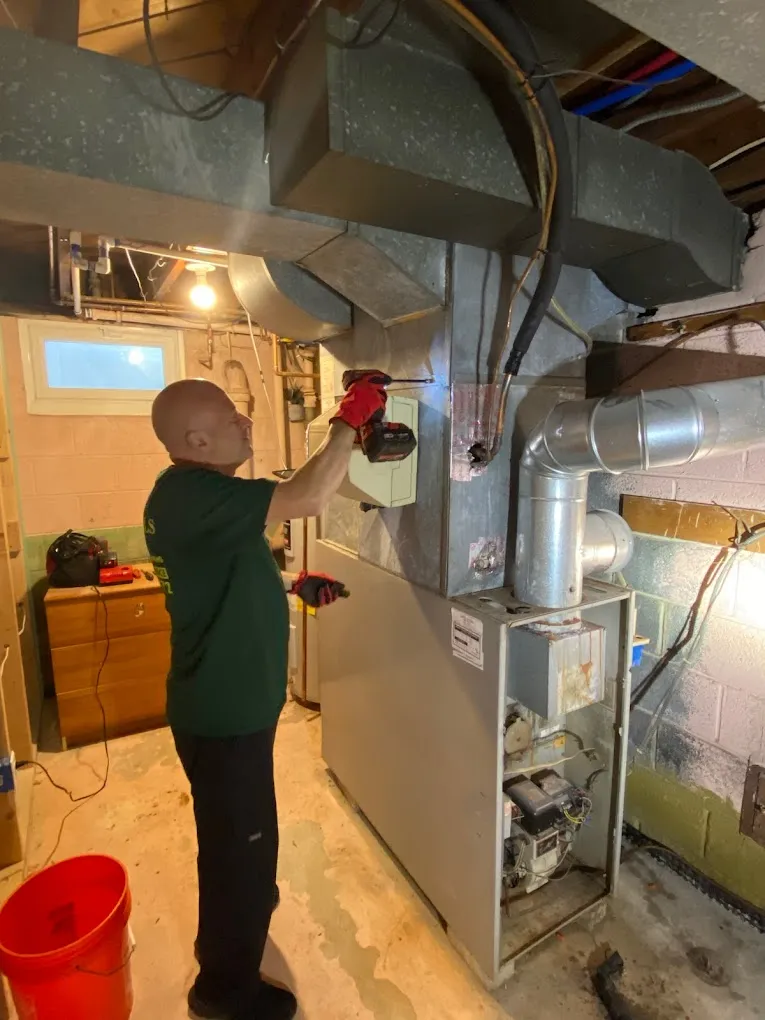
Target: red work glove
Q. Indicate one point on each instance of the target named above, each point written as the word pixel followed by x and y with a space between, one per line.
pixel 318 590
pixel 364 399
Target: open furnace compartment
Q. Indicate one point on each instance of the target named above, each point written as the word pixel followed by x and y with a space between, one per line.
pixel 563 762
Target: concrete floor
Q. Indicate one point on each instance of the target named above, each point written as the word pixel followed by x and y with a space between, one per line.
pixel 352 937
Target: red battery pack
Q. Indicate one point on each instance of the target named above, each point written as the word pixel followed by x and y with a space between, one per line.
pixel 115 575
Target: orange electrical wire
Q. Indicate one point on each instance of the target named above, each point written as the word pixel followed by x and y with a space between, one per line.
pixel 490 42
pixel 477 28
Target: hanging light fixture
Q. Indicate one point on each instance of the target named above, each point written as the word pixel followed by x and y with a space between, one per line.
pixel 202 294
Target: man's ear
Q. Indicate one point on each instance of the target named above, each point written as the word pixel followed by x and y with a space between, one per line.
pixel 197 440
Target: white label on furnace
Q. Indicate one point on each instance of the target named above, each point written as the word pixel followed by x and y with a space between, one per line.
pixel 467 638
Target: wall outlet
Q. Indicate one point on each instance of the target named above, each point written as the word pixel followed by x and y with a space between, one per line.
pixel 753 809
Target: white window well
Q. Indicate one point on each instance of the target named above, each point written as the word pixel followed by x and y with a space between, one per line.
pixel 89 368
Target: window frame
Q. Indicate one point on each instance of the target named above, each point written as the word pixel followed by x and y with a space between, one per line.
pixel 44 399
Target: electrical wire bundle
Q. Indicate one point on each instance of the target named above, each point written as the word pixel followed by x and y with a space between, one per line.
pixel 214 107
pixel 505 36
pixel 693 629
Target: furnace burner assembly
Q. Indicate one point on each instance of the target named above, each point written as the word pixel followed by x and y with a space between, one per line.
pixel 545 812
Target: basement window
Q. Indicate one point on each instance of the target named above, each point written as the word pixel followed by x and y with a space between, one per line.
pixel 84 368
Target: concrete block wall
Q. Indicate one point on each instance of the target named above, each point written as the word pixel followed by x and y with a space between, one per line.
pixel 687 778
pixel 687 775
pixel 720 698
pixel 94 473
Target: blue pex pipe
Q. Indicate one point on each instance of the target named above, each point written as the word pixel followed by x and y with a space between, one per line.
pixel 628 91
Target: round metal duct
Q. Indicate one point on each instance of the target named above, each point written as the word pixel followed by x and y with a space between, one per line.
pixel 287 300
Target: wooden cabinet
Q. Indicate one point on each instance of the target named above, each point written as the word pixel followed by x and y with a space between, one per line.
pixel 110 645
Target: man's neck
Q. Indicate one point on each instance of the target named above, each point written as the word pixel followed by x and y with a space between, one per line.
pixel 223 469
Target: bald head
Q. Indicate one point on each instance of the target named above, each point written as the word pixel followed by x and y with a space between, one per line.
pixel 195 420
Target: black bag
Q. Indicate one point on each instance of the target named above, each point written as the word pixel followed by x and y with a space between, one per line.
pixel 73 561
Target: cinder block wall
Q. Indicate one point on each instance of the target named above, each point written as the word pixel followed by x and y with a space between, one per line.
pixel 686 782
pixel 94 473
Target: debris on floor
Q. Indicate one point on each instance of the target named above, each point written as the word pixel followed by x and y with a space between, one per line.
pixel 353 937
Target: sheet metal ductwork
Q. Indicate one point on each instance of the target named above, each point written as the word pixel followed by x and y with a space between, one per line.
pixel 287 300
pixel 399 138
pixel 657 429
pixel 402 135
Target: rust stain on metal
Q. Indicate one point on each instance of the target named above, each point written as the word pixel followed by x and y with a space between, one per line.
pixel 576 688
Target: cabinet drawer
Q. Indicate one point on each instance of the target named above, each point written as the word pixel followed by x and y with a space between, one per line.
pixel 84 621
pixel 75 667
pixel 129 707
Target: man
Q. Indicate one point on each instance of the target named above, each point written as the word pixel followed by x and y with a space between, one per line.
pixel 227 684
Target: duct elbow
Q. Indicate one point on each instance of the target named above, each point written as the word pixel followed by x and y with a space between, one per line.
pixel 657 429
pixel 608 543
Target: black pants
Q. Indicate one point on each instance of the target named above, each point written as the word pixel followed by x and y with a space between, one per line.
pixel 232 785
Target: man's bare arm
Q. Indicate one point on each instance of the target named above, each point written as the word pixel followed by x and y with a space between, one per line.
pixel 309 490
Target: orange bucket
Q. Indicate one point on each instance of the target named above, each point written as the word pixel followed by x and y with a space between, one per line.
pixel 65 944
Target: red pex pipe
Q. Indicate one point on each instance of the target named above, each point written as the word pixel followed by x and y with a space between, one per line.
pixel 652 66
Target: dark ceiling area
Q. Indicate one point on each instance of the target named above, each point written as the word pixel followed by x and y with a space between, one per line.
pixel 236 44
pixel 603 69
pixel 687 109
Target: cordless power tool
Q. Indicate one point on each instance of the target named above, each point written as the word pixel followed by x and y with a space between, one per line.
pixel 383 441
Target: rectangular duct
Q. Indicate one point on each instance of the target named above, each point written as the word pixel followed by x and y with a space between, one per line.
pixel 401 135
pixel 455 539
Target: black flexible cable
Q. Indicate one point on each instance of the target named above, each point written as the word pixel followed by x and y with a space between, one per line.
pixel 207 111
pixel 690 627
pixel 512 32
pixel 81 799
pixel 357 40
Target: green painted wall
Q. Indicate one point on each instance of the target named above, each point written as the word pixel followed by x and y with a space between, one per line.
pixel 702 827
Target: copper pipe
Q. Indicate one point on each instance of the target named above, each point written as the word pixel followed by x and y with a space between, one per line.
pixel 153 306
pixel 288 375
pixel 156 308
pixel 499 431
pixel 305 613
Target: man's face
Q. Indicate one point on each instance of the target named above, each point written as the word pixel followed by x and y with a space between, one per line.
pixel 228 437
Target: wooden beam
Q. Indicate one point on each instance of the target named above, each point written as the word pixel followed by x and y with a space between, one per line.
pixel 693 522
pixel 58 20
pixel 188 32
pixel 270 23
pixel 678 132
pixel 600 62
pixel 172 276
pixel 205 68
pixel 754 312
pixel 96 15
pixel 51 19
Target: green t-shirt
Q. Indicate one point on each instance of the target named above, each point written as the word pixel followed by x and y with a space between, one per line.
pixel 225 596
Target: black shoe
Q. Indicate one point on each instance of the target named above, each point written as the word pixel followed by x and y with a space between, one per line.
pixel 271 1003
pixel 277 901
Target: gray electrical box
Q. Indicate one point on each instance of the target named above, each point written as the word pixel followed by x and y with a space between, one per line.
pixel 557 666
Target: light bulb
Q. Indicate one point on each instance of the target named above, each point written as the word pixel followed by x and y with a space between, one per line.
pixel 203 296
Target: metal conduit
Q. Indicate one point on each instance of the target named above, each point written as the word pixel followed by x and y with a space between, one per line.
pixel 660 428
